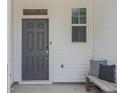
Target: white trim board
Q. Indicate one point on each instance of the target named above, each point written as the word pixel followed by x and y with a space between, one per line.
pixel 35 82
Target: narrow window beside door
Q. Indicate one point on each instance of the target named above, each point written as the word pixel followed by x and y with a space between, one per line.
pixel 79 25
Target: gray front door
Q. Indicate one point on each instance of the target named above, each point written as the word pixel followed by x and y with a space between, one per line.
pixel 35 56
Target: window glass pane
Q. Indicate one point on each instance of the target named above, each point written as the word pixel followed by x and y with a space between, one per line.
pixel 82 20
pixel 75 12
pixel 84 33
pixel 74 34
pixel 82 11
pixel 74 20
pixel 79 34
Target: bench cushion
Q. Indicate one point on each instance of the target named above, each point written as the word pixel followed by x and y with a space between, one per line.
pixel 107 72
pixel 94 66
pixel 104 85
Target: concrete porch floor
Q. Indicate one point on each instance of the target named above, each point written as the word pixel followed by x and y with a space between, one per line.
pixel 54 88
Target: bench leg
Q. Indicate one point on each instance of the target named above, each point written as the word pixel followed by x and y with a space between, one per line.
pixel 87 84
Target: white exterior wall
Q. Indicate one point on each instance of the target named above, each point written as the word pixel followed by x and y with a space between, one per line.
pixel 105 30
pixel 74 56
pixel 10 43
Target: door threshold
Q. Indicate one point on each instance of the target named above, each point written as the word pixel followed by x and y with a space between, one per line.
pixel 35 82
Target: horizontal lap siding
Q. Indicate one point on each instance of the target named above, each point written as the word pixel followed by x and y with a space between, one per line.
pixel 74 69
pixel 74 56
pixel 105 30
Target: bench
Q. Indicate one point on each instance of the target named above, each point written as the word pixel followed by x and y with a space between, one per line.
pixel 105 86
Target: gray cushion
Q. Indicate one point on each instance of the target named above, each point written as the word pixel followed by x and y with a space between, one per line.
pixel 94 66
pixel 107 72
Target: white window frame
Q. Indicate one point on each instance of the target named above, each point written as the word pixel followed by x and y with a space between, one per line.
pixel 78 24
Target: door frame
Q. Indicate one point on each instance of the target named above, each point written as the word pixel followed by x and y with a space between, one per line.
pixel 49 65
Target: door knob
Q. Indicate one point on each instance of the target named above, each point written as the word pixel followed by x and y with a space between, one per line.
pixel 46 51
pixel 46 54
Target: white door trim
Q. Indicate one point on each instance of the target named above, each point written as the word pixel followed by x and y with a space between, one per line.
pixel 35 82
pixel 50 69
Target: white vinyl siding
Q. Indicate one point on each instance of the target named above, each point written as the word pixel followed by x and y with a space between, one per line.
pixel 74 56
pixel 105 30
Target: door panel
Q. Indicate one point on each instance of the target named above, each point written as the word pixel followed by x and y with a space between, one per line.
pixel 40 40
pixel 35 65
pixel 29 40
